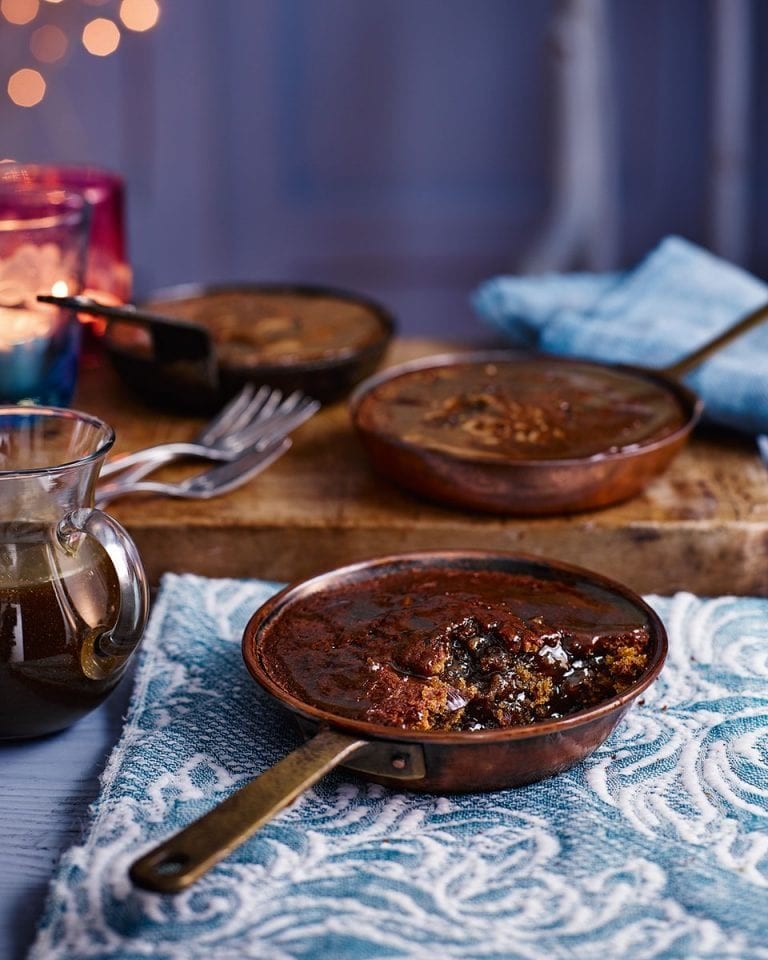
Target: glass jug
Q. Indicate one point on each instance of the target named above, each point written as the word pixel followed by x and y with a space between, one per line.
pixel 73 593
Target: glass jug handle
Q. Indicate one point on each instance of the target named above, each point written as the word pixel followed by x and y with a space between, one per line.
pixel 134 589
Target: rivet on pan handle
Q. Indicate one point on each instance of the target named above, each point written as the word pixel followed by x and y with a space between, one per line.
pixel 393 760
pixel 187 855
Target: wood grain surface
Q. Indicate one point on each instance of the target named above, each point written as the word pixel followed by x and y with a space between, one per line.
pixel 703 526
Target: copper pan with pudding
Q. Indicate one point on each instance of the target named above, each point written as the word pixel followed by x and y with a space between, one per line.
pixel 509 432
pixel 434 672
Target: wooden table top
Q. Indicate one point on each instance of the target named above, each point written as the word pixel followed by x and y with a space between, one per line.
pixel 703 526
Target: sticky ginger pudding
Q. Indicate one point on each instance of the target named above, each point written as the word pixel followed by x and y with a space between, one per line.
pixel 507 432
pixel 457 648
pixel 252 327
pixel 523 409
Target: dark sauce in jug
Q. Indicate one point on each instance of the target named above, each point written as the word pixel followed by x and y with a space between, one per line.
pixel 54 606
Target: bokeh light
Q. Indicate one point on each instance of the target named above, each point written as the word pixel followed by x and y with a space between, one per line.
pixel 101 37
pixel 139 15
pixel 48 44
pixel 19 11
pixel 26 87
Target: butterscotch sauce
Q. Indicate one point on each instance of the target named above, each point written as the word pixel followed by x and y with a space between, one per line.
pixel 531 409
pixel 251 327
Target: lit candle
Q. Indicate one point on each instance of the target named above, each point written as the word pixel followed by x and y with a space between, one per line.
pixel 43 237
pixel 107 274
pixel 25 342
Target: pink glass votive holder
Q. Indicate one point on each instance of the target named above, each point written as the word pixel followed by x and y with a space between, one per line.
pixel 108 275
pixel 43 243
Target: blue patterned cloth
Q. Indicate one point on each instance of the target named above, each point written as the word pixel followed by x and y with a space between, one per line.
pixel 656 847
pixel 675 300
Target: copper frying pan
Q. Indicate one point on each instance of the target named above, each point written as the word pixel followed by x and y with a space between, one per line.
pixel 529 486
pixel 435 762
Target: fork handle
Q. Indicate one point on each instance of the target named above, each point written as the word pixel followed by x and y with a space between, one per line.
pixel 160 454
pixel 132 474
pixel 210 483
pixel 111 491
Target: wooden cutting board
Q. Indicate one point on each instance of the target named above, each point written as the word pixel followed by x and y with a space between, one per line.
pixel 703 526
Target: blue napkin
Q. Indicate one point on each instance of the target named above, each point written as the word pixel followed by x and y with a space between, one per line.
pixel 676 299
pixel 653 848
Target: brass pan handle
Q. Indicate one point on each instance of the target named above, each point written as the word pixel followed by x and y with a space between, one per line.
pixel 180 860
pixel 695 359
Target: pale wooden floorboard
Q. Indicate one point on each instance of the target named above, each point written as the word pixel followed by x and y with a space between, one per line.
pixel 46 786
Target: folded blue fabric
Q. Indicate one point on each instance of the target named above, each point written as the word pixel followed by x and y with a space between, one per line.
pixel 675 300
pixel 655 847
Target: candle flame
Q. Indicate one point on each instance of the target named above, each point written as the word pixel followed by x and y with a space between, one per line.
pixel 60 288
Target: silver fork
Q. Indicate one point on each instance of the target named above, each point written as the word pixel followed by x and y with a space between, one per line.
pixel 210 483
pixel 236 414
pixel 249 420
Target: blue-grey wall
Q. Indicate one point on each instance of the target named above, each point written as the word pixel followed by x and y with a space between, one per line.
pixel 398 147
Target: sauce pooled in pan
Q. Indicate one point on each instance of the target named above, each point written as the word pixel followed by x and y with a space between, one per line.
pixel 251 327
pixel 532 409
pixel 454 649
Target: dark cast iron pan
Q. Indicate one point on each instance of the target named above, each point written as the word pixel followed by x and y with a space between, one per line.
pixel 181 388
pixel 538 487
pixel 432 762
